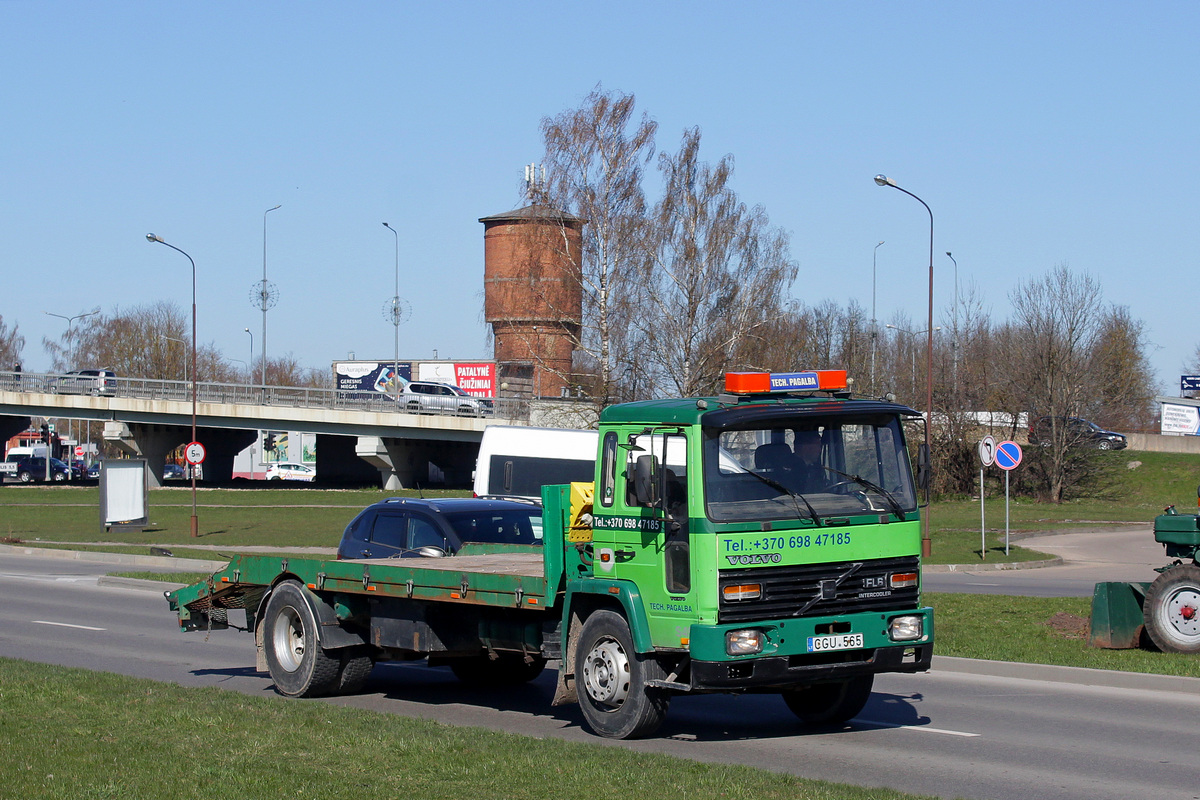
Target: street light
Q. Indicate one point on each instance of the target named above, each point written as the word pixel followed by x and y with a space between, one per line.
pixel 396 314
pixel 874 321
pixel 150 237
pixel 70 321
pixel 266 299
pixel 250 371
pixel 954 325
pixel 185 365
pixel 926 546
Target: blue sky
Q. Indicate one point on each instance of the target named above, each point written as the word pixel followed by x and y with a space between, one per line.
pixel 1040 133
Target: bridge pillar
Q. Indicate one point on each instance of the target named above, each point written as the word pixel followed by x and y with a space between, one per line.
pixel 151 442
pixel 394 458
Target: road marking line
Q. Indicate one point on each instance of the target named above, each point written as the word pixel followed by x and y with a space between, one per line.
pixel 924 728
pixel 67 625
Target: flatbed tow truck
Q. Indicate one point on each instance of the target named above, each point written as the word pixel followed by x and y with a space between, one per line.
pixel 765 540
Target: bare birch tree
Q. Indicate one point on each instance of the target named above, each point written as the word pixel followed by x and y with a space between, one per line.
pixel 11 345
pixel 595 158
pixel 717 274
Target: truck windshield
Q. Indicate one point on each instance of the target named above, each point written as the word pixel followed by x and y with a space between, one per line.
pixel 814 468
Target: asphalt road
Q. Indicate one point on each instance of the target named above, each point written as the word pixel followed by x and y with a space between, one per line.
pixel 966 729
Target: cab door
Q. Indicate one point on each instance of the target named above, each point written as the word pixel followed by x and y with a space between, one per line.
pixel 650 530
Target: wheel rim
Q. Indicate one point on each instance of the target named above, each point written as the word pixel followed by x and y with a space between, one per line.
pixel 606 673
pixel 1182 611
pixel 289 639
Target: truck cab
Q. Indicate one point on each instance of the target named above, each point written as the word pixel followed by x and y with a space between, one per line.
pixel 771 536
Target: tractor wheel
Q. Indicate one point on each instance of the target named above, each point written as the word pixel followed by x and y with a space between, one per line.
pixel 611 677
pixel 298 665
pixel 1172 610
pixel 825 703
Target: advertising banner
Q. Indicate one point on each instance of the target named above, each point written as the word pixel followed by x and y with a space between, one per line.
pixel 476 378
pixel 1180 419
pixel 371 376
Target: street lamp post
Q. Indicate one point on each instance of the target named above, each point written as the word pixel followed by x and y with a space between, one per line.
pixel 251 367
pixel 874 322
pixel 954 326
pixel 264 301
pixel 185 364
pixel 926 545
pixel 396 314
pixel 70 321
pixel 152 238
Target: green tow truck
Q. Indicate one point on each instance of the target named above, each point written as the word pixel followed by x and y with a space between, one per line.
pixel 765 540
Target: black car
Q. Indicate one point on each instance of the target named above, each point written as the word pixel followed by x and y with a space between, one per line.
pixel 1078 432
pixel 34 469
pixel 174 472
pixel 402 527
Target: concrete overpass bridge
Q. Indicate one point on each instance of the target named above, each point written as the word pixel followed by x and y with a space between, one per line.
pixel 361 436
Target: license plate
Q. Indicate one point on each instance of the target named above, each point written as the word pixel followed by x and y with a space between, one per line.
pixel 843 641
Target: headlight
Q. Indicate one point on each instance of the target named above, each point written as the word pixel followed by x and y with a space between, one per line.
pixel 744 642
pixel 905 629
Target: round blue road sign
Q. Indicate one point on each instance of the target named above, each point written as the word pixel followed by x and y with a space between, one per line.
pixel 1008 455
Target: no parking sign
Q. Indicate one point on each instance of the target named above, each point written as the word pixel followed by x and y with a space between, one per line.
pixel 1008 455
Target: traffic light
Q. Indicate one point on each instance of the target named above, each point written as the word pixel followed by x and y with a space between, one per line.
pixel 269 442
pixel 45 433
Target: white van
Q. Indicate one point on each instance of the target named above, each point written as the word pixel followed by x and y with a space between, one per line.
pixel 516 461
pixel 18 453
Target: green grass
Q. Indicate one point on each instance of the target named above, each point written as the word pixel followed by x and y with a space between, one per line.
pixel 1037 630
pixel 186 578
pixel 74 734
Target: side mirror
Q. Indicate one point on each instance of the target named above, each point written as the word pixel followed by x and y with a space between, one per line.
pixel 924 470
pixel 645 480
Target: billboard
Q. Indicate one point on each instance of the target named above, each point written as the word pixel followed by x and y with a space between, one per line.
pixel 476 378
pixel 1180 419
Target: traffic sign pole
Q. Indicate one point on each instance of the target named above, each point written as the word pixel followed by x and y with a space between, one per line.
pixel 1008 457
pixel 987 457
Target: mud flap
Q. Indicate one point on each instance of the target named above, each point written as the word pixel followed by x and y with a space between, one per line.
pixel 1117 620
pixel 564 689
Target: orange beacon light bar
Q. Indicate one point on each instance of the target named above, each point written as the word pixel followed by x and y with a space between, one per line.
pixel 765 382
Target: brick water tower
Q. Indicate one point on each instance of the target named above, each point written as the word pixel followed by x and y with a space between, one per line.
pixel 533 297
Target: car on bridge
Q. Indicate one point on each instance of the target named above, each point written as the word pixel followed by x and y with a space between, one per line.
pixel 428 397
pixel 95 382
pixel 405 527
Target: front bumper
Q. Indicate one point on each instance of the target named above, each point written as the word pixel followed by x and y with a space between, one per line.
pixel 786 661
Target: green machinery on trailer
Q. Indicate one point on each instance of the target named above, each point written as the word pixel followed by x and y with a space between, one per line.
pixel 764 540
pixel 1167 609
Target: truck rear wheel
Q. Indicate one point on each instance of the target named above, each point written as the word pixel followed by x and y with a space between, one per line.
pixel 1172 610
pixel 507 669
pixel 298 665
pixel 611 677
pixel 355 664
pixel 824 703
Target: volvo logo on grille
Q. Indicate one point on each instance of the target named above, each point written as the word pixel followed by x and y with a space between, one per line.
pixel 829 589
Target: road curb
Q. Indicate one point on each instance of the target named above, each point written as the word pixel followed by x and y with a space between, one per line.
pixel 124 559
pixel 983 566
pixel 1080 676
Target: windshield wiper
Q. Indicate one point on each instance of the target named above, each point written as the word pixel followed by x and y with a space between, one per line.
pixel 891 501
pixel 774 484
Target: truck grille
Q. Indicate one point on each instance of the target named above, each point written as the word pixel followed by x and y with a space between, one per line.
pixel 787 590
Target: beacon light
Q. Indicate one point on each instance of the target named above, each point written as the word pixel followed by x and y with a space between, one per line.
pixel 743 383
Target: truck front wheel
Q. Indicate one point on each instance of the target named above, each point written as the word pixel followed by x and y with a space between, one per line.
pixel 298 665
pixel 824 703
pixel 612 678
pixel 1172 610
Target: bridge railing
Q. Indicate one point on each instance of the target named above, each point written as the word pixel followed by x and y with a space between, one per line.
pixel 285 396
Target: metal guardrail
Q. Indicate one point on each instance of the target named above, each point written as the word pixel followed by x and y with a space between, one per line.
pixel 285 396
